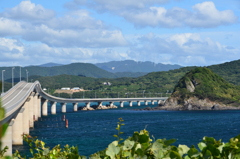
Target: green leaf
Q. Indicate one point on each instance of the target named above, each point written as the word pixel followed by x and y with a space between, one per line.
pixel 135 136
pixel 126 154
pixel 157 149
pixel 213 150
pixel 128 144
pixel 175 155
pixel 201 145
pixel 4 129
pixel 139 152
pixel 113 149
pixel 138 146
pixel 169 142
pixel 183 149
pixel 143 138
pixel 193 152
pixel 145 146
pixel 209 140
pixel 2 113
pixel 207 155
pixel 45 151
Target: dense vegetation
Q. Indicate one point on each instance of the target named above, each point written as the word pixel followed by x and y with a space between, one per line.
pixel 152 84
pixel 77 69
pixel 140 146
pixel 230 71
pixel 207 85
pixel 130 69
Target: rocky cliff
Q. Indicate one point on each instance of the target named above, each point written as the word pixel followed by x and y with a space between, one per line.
pixel 201 89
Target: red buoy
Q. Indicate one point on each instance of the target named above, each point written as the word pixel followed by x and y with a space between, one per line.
pixel 66 123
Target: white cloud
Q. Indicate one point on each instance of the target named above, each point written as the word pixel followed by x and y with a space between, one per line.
pixel 14 52
pixel 79 19
pixel 11 50
pixel 144 13
pixel 74 38
pixel 74 29
pixel 29 11
pixel 185 49
pixel 116 5
pixel 205 15
pixel 10 27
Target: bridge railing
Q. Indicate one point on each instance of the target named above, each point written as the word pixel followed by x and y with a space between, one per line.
pixel 12 107
pixel 11 89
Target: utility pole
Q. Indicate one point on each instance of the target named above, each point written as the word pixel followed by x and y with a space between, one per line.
pixel 12 77
pixel 20 78
pixel 3 81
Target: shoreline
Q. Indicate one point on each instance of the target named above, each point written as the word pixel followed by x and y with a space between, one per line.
pixel 182 108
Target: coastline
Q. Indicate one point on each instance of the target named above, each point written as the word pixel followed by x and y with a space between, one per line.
pixel 184 108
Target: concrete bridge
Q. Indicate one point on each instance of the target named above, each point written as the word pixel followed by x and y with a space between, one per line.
pixel 27 102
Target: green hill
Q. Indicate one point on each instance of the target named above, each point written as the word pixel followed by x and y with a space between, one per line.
pixel 230 71
pixel 77 69
pixel 201 89
pixel 152 83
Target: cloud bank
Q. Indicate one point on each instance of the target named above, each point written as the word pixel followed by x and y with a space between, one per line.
pixel 32 34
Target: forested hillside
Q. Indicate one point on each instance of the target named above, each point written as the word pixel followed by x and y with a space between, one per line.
pixel 77 69
pixel 230 71
pixel 205 84
pixel 152 83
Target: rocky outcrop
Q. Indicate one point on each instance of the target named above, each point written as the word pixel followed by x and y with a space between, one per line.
pixel 87 108
pixel 194 103
pixel 190 86
pixel 96 107
pixel 201 89
pixel 106 107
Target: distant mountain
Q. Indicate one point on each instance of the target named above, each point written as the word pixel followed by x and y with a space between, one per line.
pixel 51 64
pixel 133 66
pixel 78 69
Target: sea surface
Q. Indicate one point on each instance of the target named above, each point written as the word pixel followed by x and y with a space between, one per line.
pixel 92 131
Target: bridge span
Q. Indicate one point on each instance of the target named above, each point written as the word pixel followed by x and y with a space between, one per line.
pixel 26 102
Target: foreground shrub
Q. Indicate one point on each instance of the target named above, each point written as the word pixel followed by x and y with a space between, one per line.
pixel 140 146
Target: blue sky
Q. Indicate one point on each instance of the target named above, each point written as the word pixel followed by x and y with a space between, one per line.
pixel 188 33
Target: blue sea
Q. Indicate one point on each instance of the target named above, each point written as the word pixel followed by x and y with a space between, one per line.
pixel 92 131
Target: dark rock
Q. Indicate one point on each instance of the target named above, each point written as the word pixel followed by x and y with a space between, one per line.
pixel 215 107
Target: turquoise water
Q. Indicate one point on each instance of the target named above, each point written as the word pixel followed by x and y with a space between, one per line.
pixel 92 131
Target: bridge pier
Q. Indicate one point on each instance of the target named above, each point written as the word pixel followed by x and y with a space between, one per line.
pixel 17 129
pixel 75 107
pixel 111 104
pixel 152 102
pixel 26 117
pixel 99 103
pixel 121 104
pixel 53 108
pixel 131 104
pixel 138 103
pixel 45 108
pixel 31 110
pixel 35 105
pixel 7 139
pixel 64 107
pixel 39 107
pixel 88 105
pixel 146 102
